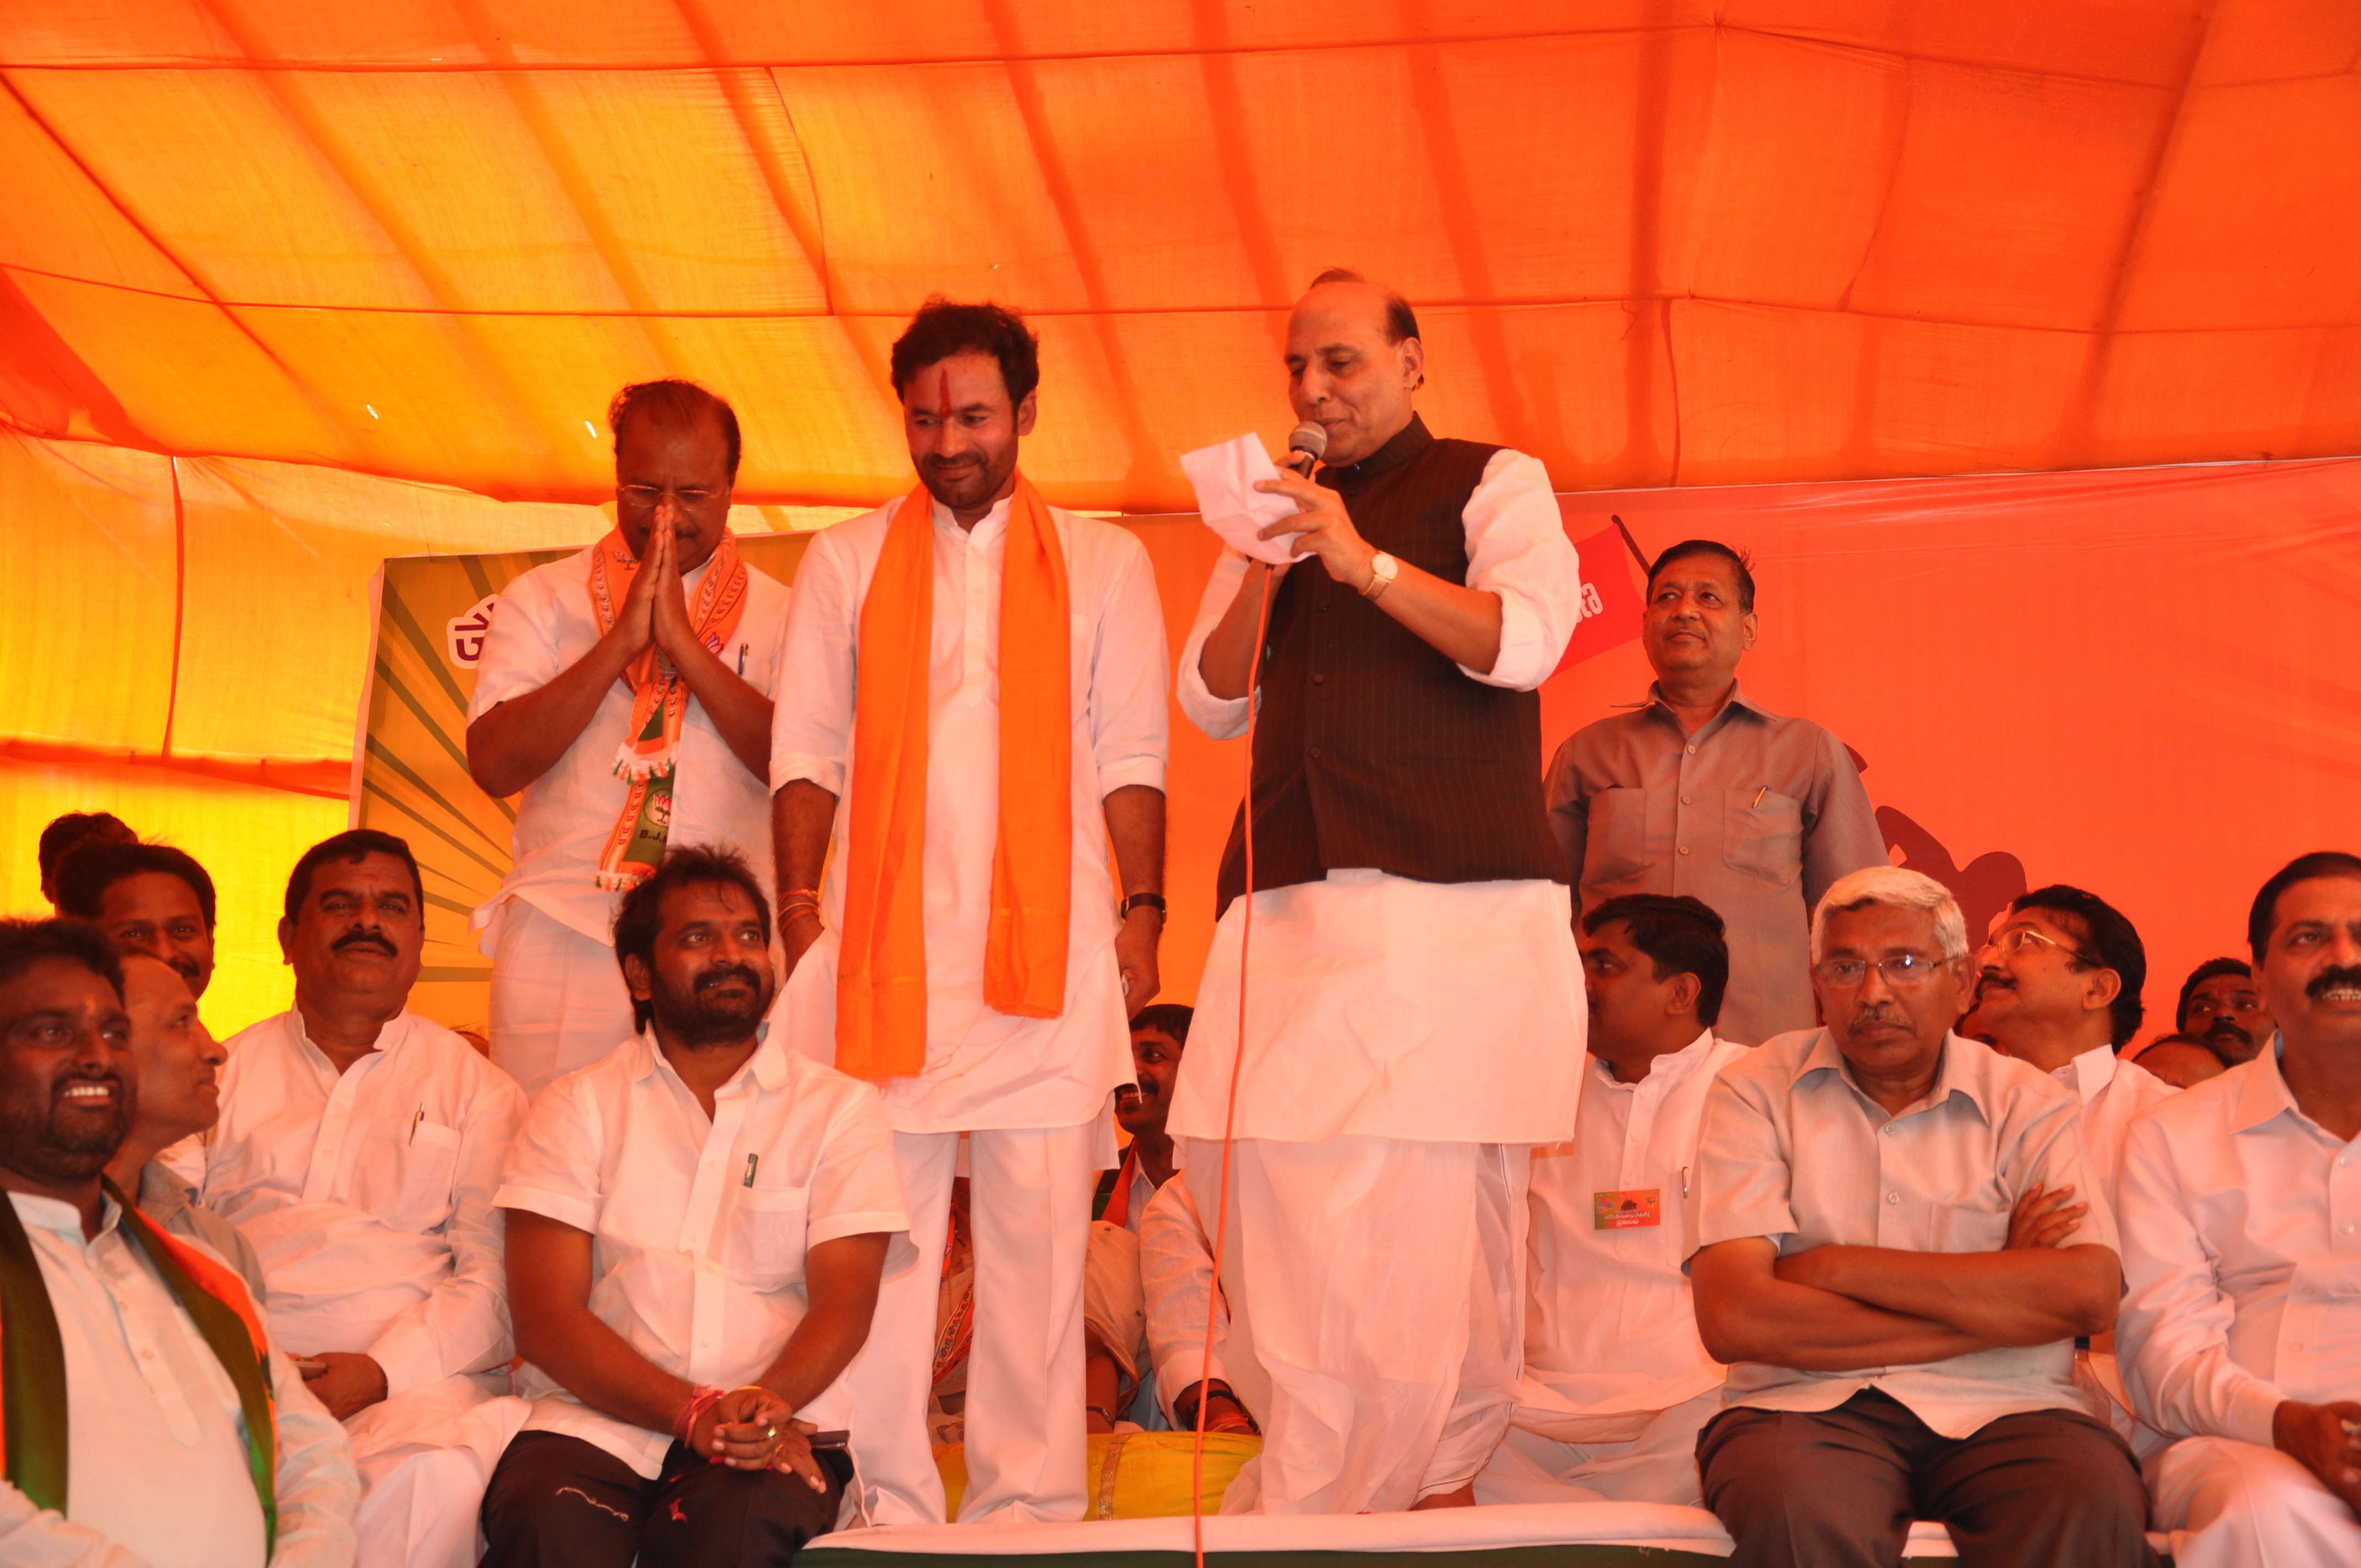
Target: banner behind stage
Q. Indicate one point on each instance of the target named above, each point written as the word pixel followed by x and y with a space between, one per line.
pixel 2141 682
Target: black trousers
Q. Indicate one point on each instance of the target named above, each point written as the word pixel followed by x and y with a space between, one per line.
pixel 558 1501
pixel 1839 1488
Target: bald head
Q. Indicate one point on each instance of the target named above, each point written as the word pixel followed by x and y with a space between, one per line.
pixel 177 1060
pixel 1354 363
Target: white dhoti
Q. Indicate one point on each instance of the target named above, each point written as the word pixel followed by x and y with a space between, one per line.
pixel 424 1456
pixel 1406 1042
pixel 1030 1195
pixel 2232 1505
pixel 1376 1314
pixel 558 1000
pixel 1656 1465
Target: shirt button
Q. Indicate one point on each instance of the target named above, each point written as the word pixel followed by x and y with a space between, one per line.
pixel 706 1341
pixel 1685 800
pixel 1692 750
pixel 1684 849
pixel 1894 1197
pixel 1315 753
pixel 1319 680
pixel 2346 1227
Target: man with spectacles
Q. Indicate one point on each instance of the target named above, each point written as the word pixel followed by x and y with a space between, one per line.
pixel 1700 790
pixel 2060 988
pixel 1891 1263
pixel 626 691
pixel 2221 1004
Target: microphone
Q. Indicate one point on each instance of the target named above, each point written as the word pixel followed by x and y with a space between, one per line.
pixel 1305 446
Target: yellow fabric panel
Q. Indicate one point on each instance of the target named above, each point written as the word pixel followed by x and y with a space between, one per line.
pixel 1135 1475
pixel 86 552
pixel 247 837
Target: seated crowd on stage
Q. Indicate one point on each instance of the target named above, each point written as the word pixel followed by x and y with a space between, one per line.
pixel 1630 1130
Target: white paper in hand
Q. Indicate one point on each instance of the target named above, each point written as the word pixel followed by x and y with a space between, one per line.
pixel 1224 477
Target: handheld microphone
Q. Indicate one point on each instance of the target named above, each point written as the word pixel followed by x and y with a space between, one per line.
pixel 1305 446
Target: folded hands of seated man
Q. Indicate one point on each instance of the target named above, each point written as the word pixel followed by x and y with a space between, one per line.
pixel 2040 1219
pixel 2326 1441
pixel 754 1428
pixel 345 1381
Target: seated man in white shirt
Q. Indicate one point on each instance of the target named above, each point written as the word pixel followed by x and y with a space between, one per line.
pixel 148 1419
pixel 1617 1383
pixel 1884 1268
pixel 358 1149
pixel 698 1225
pixel 179 1067
pixel 2240 1200
pixel 2059 990
pixel 1118 1362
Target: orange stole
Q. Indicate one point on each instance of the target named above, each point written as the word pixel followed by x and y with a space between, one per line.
pixel 881 987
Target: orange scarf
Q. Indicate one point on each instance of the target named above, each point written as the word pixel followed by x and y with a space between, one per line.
pixel 659 701
pixel 881 985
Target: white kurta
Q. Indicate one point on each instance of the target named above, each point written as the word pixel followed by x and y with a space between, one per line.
pixel 156 1456
pixel 984 1068
pixel 368 1195
pixel 702 1224
pixel 1176 1272
pixel 1388 1007
pixel 2242 1260
pixel 1611 1341
pixel 557 1000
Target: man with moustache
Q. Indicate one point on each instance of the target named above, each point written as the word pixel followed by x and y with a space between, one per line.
pixel 1411 934
pixel 973 711
pixel 696 1226
pixel 1886 1261
pixel 148 898
pixel 358 1149
pixel 2221 1004
pixel 1116 1338
pixel 179 1067
pixel 1616 1381
pixel 626 692
pixel 2242 1249
pixel 1701 790
pixel 2059 987
pixel 149 1419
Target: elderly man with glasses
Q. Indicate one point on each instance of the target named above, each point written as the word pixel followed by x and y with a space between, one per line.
pixel 1892 1262
pixel 632 708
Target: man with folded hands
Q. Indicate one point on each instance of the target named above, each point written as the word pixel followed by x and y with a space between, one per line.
pixel 696 1227
pixel 1893 1261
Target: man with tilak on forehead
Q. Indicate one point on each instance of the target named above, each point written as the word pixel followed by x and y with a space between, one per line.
pixel 971 708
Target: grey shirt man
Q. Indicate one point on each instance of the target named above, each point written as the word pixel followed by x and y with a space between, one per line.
pixel 1755 814
pixel 172 1203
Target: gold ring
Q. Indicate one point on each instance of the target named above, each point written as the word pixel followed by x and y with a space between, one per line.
pixel 771 1433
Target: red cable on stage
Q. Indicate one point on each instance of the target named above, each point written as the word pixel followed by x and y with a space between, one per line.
pixel 1230 1114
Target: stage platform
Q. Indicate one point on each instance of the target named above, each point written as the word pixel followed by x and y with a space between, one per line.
pixel 1529 1535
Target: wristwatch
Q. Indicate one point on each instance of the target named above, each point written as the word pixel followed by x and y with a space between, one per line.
pixel 1383 571
pixel 1144 900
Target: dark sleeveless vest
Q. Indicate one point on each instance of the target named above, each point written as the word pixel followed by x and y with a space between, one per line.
pixel 1371 748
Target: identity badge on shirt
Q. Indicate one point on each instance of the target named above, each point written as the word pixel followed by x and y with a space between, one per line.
pixel 1632 1211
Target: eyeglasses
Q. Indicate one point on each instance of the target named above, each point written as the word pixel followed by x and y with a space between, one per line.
pixel 645 498
pixel 2015 937
pixel 1902 971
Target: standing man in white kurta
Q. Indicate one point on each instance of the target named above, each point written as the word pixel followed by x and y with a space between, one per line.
pixel 630 707
pixel 971 707
pixel 358 1149
pixel 1617 1381
pixel 1415 1003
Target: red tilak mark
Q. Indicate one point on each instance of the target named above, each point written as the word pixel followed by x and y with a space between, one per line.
pixel 943 394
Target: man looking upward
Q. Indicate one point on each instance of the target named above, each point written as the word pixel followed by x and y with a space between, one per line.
pixel 2222 1005
pixel 1701 790
pixel 148 898
pixel 1411 938
pixel 972 710
pixel 626 691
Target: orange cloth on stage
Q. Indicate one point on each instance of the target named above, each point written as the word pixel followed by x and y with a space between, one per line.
pixel 881 1000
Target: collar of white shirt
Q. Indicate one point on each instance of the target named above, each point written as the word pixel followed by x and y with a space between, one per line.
pixel 2093 1070
pixel 57 1214
pixel 2263 1093
pixel 1966 1070
pixel 767 1068
pixel 1667 1071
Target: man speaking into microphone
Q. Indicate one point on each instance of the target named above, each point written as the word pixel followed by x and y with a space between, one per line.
pixel 1413 1013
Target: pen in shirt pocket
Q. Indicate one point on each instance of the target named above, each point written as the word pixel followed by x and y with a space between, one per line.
pixel 742 659
pixel 416 1120
pixel 1760 793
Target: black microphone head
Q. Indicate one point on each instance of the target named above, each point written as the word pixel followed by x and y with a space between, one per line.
pixel 1309 438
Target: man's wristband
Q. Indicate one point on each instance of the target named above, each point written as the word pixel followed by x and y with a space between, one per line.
pixel 1143 900
pixel 684 1424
